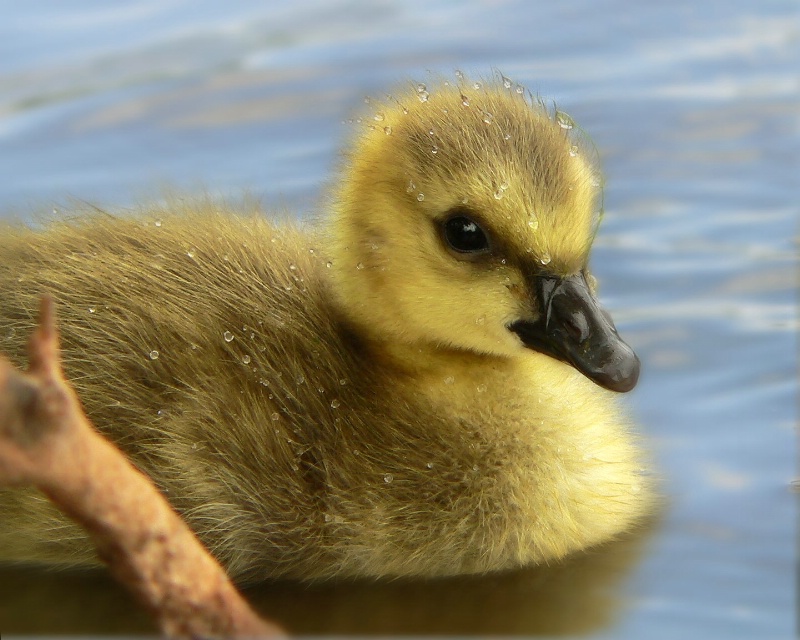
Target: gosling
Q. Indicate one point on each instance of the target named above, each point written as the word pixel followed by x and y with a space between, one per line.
pixel 420 384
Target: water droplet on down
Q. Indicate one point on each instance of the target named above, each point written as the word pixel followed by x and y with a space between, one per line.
pixel 564 121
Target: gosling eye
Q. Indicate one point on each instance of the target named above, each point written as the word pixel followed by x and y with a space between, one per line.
pixel 465 236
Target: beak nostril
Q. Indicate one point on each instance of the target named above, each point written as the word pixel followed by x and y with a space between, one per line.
pixel 576 326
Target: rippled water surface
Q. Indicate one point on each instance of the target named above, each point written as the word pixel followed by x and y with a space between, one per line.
pixel 694 108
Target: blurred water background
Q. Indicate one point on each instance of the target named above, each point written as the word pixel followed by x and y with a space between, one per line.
pixel 694 107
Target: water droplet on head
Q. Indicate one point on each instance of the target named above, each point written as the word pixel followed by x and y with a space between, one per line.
pixel 360 266
pixel 228 336
pixel 573 150
pixel 498 194
pixel 488 118
pixel 190 253
pixel 328 517
pixel 423 96
pixel 564 121
pixel 328 264
pixel 506 83
pixel 545 259
pixel 420 197
pixel 533 222
pixel 411 187
pixel 434 149
pixel 387 130
pixel 429 465
pixel 481 388
pixel 387 478
pixel 464 100
pixel 480 320
pixel 92 309
pixel 421 87
pixel 519 89
pixel 379 117
pixel 153 355
pixel 342 381
pixel 476 85
pixel 507 136
pixel 246 359
pixel 449 380
pixel 459 74
pixel 157 223
pixel 275 416
pixel 300 379
pixel 335 404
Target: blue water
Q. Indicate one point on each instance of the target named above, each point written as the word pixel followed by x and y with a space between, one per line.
pixel 694 108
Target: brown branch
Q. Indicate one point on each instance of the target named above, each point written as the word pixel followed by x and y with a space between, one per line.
pixel 47 441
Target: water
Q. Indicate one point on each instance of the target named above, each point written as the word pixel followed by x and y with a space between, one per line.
pixel 693 107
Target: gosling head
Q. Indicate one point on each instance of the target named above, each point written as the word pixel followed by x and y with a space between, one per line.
pixel 464 220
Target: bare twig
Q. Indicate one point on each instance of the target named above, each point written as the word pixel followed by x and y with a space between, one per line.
pixel 47 441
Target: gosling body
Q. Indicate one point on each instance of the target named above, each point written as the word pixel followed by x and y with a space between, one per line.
pixel 355 398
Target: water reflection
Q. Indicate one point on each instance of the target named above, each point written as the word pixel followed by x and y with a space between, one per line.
pixel 578 596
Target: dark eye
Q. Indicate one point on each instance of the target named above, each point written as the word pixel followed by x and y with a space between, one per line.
pixel 464 235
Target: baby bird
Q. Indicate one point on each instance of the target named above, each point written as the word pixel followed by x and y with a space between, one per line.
pixel 420 384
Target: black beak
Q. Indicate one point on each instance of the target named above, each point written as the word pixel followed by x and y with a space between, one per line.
pixel 573 327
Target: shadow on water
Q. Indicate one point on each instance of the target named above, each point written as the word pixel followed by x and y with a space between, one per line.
pixel 578 596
